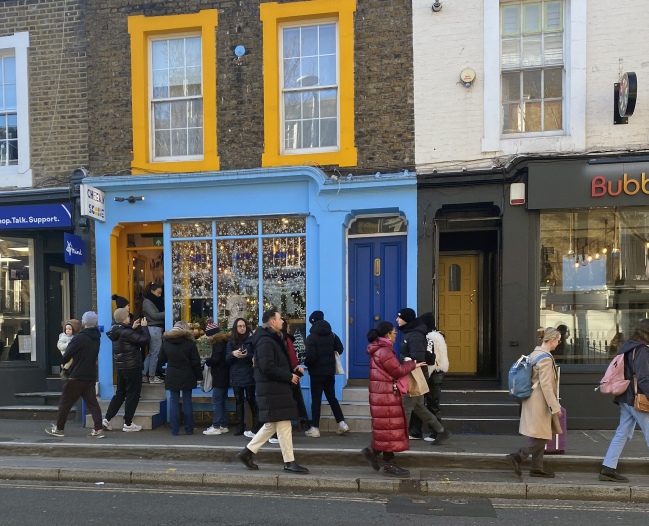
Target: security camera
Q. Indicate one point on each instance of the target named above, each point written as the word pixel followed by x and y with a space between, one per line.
pixel 437 7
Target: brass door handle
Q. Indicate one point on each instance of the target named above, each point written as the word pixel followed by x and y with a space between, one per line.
pixel 376 318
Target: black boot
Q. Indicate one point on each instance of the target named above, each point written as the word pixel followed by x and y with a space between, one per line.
pixel 245 456
pixel 294 467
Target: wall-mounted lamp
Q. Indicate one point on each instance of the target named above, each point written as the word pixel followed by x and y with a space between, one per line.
pixel 437 7
pixel 467 76
pixel 131 198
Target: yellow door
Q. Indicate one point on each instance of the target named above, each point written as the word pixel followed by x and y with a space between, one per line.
pixel 458 311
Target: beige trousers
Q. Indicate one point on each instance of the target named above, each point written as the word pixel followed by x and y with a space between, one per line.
pixel 284 435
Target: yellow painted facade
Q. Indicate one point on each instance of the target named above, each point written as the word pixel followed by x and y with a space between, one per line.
pixel 273 15
pixel 141 29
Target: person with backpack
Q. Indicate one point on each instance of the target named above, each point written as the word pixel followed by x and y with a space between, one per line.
pixel 636 369
pixel 538 408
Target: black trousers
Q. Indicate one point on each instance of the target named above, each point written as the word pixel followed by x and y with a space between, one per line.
pixel 241 395
pixel 328 385
pixel 72 390
pixel 432 401
pixel 129 387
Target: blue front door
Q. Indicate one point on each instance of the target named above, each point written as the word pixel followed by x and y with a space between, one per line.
pixel 377 290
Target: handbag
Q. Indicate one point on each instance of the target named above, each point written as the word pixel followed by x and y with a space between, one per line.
pixel 206 386
pixel 640 401
pixel 339 366
pixel 418 386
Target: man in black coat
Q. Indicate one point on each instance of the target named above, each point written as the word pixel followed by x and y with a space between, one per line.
pixel 274 380
pixel 127 342
pixel 84 349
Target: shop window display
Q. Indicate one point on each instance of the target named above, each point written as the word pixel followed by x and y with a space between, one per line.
pixel 594 272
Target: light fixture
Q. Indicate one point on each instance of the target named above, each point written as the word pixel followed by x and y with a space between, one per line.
pixel 577 261
pixel 437 7
pixel 131 198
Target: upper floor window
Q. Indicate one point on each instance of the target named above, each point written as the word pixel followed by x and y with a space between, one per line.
pixel 532 66
pixel 177 98
pixel 8 112
pixel 310 87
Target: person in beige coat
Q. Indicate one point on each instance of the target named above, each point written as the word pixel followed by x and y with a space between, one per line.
pixel 537 410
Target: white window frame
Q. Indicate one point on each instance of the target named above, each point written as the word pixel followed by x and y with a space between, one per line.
pixel 173 158
pixel 573 136
pixel 282 120
pixel 19 175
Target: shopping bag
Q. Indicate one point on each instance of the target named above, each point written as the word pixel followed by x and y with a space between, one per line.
pixel 339 366
pixel 418 385
pixel 206 386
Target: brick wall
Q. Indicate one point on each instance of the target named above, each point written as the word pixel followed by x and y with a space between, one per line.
pixel 383 81
pixel 57 84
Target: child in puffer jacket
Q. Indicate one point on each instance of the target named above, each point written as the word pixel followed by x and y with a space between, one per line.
pixel 69 330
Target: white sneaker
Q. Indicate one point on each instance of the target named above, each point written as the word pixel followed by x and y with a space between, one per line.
pixel 212 431
pixel 342 428
pixel 106 425
pixel 224 430
pixel 248 434
pixel 156 380
pixel 133 427
pixel 429 439
pixel 312 432
pixel 274 440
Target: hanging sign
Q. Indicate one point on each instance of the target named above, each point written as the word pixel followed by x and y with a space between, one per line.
pixel 93 203
pixel 75 249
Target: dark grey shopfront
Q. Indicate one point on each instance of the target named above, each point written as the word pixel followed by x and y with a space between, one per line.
pixel 575 257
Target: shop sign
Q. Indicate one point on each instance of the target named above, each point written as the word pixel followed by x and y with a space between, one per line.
pixel 75 249
pixel 600 186
pixel 93 203
pixel 35 216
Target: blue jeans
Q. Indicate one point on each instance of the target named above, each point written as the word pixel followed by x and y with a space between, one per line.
pixel 151 360
pixel 219 401
pixel 628 419
pixel 174 411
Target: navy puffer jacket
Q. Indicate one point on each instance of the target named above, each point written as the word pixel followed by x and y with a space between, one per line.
pixel 241 374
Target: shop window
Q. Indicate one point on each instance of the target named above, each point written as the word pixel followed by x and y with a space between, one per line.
pixel 594 286
pixel 309 82
pixel 532 66
pixel 16 300
pixel 173 63
pixel 256 264
pixel 14 111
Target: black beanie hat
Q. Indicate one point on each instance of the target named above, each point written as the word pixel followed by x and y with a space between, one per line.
pixel 316 315
pixel 407 315
pixel 120 301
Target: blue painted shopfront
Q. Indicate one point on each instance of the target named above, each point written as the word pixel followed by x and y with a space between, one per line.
pixel 328 206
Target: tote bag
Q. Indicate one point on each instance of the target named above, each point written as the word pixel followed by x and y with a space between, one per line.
pixel 206 386
pixel 339 366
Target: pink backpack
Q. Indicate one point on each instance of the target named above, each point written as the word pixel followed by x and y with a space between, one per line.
pixel 613 381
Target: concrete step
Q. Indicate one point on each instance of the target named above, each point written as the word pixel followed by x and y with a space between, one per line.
pixel 149 414
pixel 48 398
pixel 153 392
pixel 350 409
pixel 497 396
pixel 355 394
pixel 32 412
pixel 482 426
pixel 147 406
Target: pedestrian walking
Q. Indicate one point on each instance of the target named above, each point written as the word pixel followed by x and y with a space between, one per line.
pixel 180 354
pixel 275 381
pixel 389 423
pixel 304 424
pixel 127 338
pixel 153 309
pixel 413 347
pixel 636 369
pixel 537 410
pixel 321 346
pixel 220 372
pixel 69 330
pixel 84 350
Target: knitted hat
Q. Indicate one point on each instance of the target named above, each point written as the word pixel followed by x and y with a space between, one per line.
pixel 120 301
pixel 211 328
pixel 181 326
pixel 407 315
pixel 120 315
pixel 316 315
pixel 75 324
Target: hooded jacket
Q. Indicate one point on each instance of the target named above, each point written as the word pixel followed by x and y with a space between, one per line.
pixel 127 343
pixel 241 374
pixel 84 350
pixel 216 362
pixel 273 377
pixel 180 354
pixel 638 365
pixel 414 343
pixel 320 347
pixel 389 425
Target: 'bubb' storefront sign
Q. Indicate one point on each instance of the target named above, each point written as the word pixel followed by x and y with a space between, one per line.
pixel 579 184
pixel 93 203
pixel 35 216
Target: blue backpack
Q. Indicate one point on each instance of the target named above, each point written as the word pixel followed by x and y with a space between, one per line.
pixel 520 376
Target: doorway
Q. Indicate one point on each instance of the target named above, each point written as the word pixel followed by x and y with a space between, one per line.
pixel 377 290
pixel 58 312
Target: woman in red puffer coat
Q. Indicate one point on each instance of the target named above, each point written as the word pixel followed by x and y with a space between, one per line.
pixel 389 425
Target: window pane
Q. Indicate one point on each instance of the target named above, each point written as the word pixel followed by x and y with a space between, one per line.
pixel 195 116
pixel 13 152
pixel 193 51
pixel 292 106
pixel 511 86
pixel 511 19
pixel 237 228
pixel 532 18
pixel 553 53
pixel 454 278
pixel 532 51
pixel 328 132
pixel 191 279
pixel 328 70
pixel 511 118
pixel 10 97
pixel 194 81
pixel 162 146
pixel 284 225
pixel 311 136
pixel 328 39
pixel 309 72
pixel 177 53
pixel 2 98
pixel 12 121
pixel 159 54
pixel 177 82
pixel 553 83
pixel 179 114
pixel 328 103
pixel 553 17
pixel 532 116
pixel 161 84
pixel 291 72
pixel 195 141
pixel 511 53
pixel 309 41
pixel 532 85
pixel 284 282
pixel 10 70
pixel 191 229
pixel 552 116
pixel 178 142
pixel 161 116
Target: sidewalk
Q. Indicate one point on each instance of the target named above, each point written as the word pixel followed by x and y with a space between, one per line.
pixel 465 465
